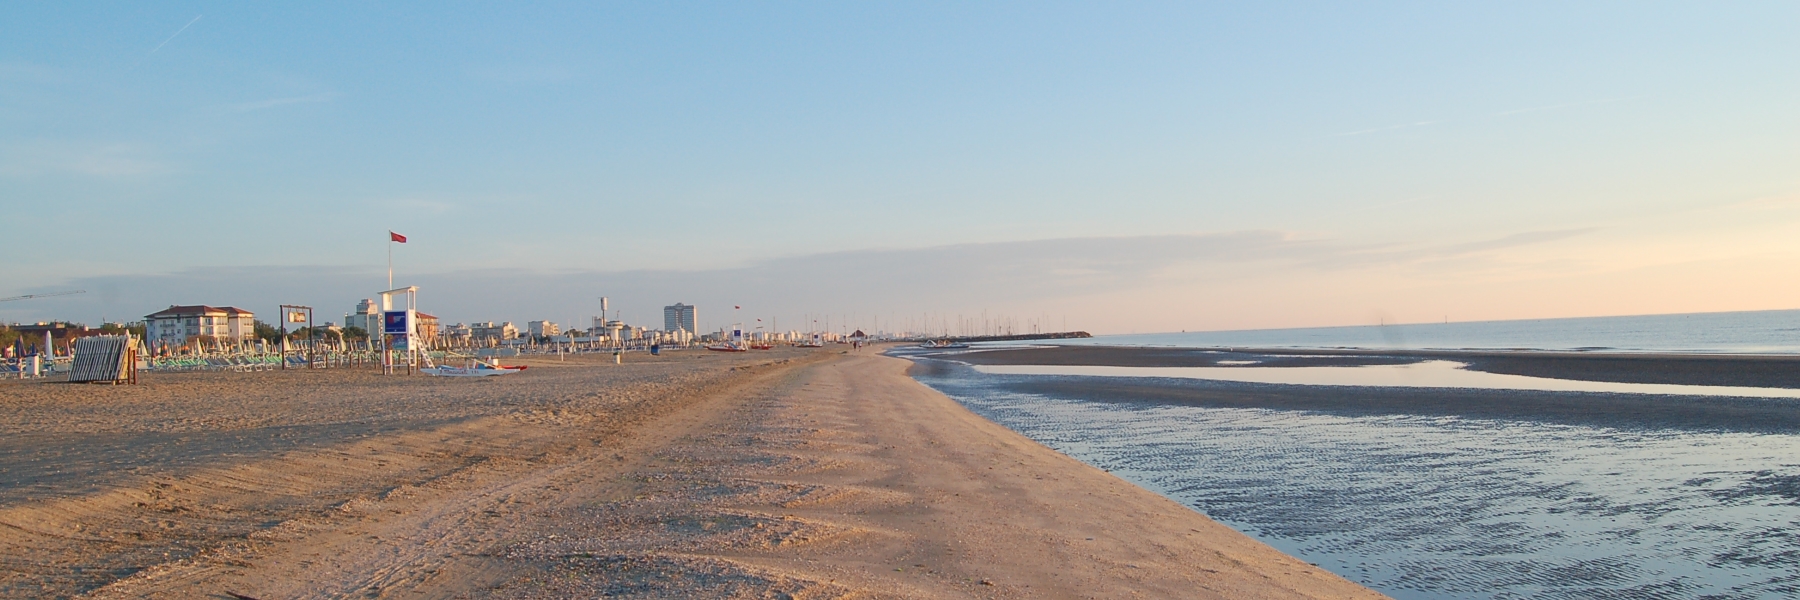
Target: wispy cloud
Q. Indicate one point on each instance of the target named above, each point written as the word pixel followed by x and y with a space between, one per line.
pixel 274 102
pixel 1778 201
pixel 1506 113
pixel 1388 128
pixel 1533 109
pixel 1347 256
pixel 177 34
pixel 103 159
pixel 963 277
pixel 1528 238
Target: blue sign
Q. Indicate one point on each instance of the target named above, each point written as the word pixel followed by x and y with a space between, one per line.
pixel 394 323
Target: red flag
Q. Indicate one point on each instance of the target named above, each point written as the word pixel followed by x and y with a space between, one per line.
pixel 396 237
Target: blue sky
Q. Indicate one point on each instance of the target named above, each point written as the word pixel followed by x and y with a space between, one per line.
pixel 1502 160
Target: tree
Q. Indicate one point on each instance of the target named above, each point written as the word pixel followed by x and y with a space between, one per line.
pixel 355 333
pixel 312 333
pixel 266 332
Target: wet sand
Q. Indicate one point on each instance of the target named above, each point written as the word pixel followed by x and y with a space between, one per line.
pixel 1598 409
pixel 694 475
pixel 1681 369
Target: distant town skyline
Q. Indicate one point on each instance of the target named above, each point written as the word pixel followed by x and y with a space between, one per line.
pixel 1145 167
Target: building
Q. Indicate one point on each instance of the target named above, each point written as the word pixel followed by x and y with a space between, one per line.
pixel 426 327
pixel 457 334
pixel 488 331
pixel 175 324
pixel 680 317
pixel 367 317
pixel 542 329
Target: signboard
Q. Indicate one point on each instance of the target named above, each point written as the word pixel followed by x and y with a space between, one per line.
pixel 394 322
pixel 296 317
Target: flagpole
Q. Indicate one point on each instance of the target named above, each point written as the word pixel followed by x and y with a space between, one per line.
pixel 390 260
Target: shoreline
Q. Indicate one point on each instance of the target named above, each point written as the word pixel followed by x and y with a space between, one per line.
pixel 824 473
pixel 1773 371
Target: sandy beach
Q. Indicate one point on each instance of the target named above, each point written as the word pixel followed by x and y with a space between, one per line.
pixel 805 474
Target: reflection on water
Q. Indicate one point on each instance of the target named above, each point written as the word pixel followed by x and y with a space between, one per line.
pixel 1428 374
pixel 1446 507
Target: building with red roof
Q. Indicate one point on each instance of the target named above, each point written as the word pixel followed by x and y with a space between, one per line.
pixel 175 324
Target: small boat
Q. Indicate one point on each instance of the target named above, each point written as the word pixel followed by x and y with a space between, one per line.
pixel 942 344
pixel 727 348
pixel 762 347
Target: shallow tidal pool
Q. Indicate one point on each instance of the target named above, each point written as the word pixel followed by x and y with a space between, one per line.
pixel 1450 507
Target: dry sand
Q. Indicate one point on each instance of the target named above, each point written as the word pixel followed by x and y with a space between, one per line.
pixel 767 474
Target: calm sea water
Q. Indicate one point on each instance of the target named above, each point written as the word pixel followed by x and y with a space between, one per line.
pixel 1760 332
pixel 1433 506
pixel 1427 507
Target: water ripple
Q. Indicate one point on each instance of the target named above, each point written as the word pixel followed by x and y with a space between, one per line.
pixel 1451 507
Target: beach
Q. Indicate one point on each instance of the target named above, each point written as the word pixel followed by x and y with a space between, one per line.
pixel 1424 491
pixel 809 474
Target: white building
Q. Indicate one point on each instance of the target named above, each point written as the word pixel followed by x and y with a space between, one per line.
pixel 367 317
pixel 543 328
pixel 489 331
pixel 175 324
pixel 680 316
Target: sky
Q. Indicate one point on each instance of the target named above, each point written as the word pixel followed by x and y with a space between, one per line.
pixel 1111 167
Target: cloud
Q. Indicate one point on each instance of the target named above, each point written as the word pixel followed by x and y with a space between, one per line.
pixel 1511 241
pixel 1780 201
pixel 274 102
pixel 964 278
pixel 1505 113
pixel 1381 129
pixel 99 159
pixel 1517 111
pixel 177 34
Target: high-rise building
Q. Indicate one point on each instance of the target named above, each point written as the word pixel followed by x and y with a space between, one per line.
pixel 680 317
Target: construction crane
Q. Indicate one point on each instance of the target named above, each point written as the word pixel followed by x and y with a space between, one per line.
pixel 51 294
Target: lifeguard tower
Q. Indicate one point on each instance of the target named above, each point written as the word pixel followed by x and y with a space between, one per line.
pixel 399 318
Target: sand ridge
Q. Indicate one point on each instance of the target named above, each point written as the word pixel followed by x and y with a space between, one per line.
pixel 852 480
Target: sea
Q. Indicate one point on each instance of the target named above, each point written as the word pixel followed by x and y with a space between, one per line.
pixel 1752 332
pixel 1431 506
